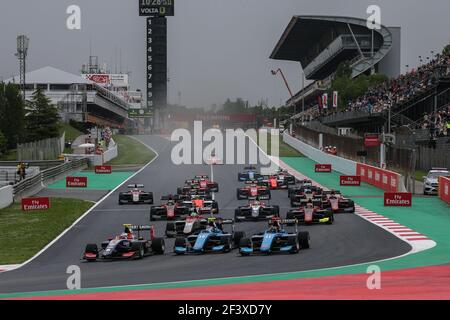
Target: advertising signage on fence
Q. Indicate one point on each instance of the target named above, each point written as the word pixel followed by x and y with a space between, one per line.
pixel 398 199
pixel 323 167
pixel 76 182
pixel 103 169
pixel 372 140
pixel 156 62
pixel 350 181
pixel 140 113
pixel 155 8
pixel 33 204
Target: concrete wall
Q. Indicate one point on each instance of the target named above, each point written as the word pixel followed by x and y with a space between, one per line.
pixel 339 164
pixel 391 64
pixel 6 196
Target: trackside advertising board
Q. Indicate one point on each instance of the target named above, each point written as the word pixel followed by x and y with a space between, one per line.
pixel 34 204
pixel 350 181
pixel 398 199
pixel 103 169
pixel 444 189
pixel 323 167
pixel 76 182
pixel 388 181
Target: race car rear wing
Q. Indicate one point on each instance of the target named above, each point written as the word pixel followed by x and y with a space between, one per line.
pixel 140 228
pixel 201 176
pixel 250 168
pixel 329 192
pixel 135 186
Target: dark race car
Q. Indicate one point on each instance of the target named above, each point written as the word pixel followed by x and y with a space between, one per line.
pixel 310 214
pixel 171 209
pixel 212 239
pixel 275 240
pixel 300 184
pixel 303 195
pixel 136 195
pixel 250 174
pixel 253 191
pixel 126 246
pixel 256 210
pixel 206 183
pixel 192 189
pixel 336 202
pixel 193 224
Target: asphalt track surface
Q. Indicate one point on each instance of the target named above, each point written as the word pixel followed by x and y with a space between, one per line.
pixel 350 240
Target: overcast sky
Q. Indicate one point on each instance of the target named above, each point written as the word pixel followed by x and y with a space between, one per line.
pixel 217 48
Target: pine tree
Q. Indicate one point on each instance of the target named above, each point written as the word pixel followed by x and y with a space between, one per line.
pixel 43 120
pixel 12 114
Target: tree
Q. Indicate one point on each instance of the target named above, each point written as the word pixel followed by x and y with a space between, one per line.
pixel 446 49
pixel 12 114
pixel 43 120
pixel 3 144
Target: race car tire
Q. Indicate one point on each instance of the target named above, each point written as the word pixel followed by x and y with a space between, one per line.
pixel 158 245
pixel 228 245
pixel 179 190
pixel 331 219
pixel 245 243
pixel 170 227
pixel 237 236
pixel 276 210
pixel 294 242
pixel 303 239
pixel 239 196
pixel 141 252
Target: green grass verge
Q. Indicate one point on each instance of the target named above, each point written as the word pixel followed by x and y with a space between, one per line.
pixel 285 149
pixel 10 155
pixel 23 234
pixel 71 132
pixel 131 152
pixel 420 174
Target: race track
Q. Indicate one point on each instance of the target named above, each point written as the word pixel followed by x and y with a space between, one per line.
pixel 350 240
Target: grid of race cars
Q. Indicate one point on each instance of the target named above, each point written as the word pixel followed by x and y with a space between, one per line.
pixel 192 217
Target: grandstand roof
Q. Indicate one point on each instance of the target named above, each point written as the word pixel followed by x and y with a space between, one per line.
pixel 51 75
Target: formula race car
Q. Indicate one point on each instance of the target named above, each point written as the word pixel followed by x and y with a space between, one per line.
pixel 203 182
pixel 183 228
pixel 300 184
pixel 335 201
pixel 256 210
pixel 275 240
pixel 250 174
pixel 136 195
pixel 253 191
pixel 169 210
pixel 212 239
pixel 126 246
pixel 303 195
pixel 311 214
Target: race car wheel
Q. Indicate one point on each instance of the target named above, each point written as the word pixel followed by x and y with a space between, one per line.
pixel 180 242
pixel 238 235
pixel 331 219
pixel 170 227
pixel 227 245
pixel 303 239
pixel 245 243
pixel 276 210
pixel 179 190
pixel 141 252
pixel 294 242
pixel 158 245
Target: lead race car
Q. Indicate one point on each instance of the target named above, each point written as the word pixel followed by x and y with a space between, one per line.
pixel 253 191
pixel 212 239
pixel 275 240
pixel 128 245
pixel 279 180
pixel 250 174
pixel 256 210
pixel 136 195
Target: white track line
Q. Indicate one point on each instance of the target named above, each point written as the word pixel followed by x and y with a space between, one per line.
pixel 17 266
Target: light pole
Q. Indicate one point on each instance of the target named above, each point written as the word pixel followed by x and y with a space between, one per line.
pixel 22 51
pixel 275 72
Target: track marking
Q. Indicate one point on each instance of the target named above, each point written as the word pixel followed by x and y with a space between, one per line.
pixel 91 209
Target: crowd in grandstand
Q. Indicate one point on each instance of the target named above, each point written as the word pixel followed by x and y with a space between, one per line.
pixel 398 90
pixel 438 122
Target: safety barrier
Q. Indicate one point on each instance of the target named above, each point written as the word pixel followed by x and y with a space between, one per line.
pixel 6 196
pixel 384 179
pixel 444 189
pixel 34 184
pixel 339 164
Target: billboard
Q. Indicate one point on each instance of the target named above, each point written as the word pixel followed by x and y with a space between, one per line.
pixel 156 8
pixel 107 80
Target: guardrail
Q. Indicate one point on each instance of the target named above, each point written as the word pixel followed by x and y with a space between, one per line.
pixel 34 184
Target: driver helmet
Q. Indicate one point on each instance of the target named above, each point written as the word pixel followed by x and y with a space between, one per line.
pixel 194 214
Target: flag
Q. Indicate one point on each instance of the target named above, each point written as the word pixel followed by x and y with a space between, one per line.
pixel 325 100
pixel 319 100
pixel 335 99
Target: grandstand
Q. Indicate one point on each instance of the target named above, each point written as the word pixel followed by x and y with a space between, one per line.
pixel 321 43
